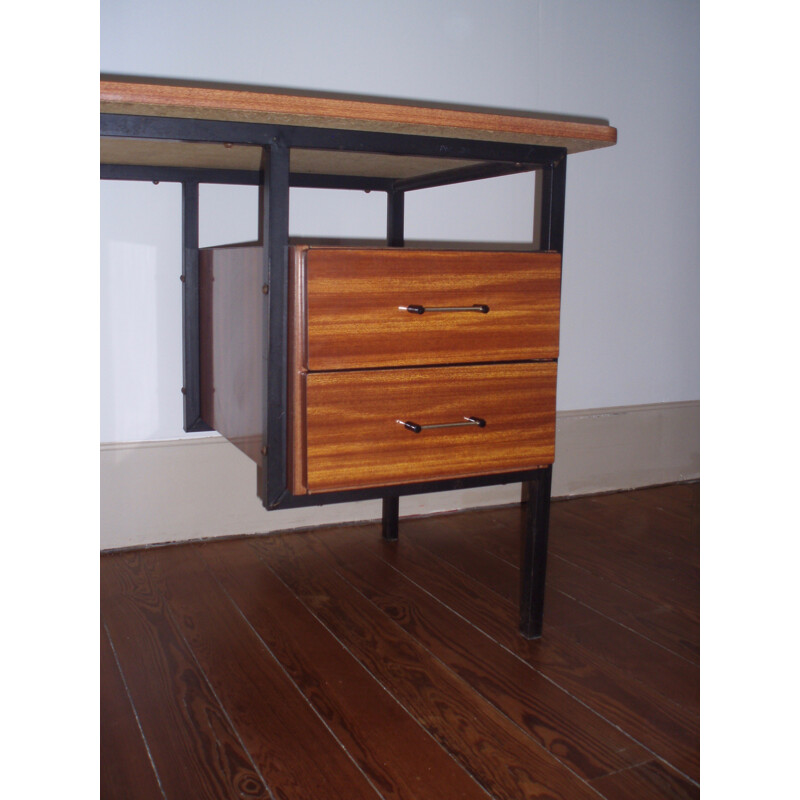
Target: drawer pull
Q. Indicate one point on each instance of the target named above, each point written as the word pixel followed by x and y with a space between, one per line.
pixel 414 428
pixel 478 307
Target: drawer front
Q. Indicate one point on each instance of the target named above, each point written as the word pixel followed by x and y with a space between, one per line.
pixel 354 436
pixel 355 300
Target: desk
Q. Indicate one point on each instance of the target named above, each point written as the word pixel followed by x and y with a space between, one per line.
pixel 474 334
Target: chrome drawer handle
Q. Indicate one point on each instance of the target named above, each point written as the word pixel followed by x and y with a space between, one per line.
pixel 478 307
pixel 414 428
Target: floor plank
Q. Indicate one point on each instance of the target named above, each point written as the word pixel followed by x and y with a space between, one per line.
pixel 647 573
pixel 671 536
pixel 194 748
pixel 332 664
pixel 662 624
pixel 679 500
pixel 572 733
pixel 126 771
pixel 289 743
pixel 652 779
pixel 640 658
pixel 662 726
pixel 391 748
pixel 497 533
pixel 510 765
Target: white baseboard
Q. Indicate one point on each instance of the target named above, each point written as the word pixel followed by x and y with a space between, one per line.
pixel 609 449
pixel 152 492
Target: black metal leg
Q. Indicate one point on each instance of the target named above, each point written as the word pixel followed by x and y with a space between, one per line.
pixel 536 522
pixel 395 218
pixel 391 518
pixel 274 235
pixel 551 217
pixel 536 511
pixel 395 214
pixel 191 309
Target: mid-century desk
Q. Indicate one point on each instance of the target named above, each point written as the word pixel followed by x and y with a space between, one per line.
pixel 349 373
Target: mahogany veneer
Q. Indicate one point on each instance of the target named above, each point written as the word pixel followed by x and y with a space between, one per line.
pixel 353 301
pixel 349 332
pixel 354 435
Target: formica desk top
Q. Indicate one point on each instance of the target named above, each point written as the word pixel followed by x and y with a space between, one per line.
pixel 236 105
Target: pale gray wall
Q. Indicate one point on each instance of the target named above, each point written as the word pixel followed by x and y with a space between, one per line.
pixel 630 325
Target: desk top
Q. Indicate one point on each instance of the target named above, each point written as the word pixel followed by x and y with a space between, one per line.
pixel 195 102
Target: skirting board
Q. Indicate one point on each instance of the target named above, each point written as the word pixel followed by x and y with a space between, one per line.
pixel 183 489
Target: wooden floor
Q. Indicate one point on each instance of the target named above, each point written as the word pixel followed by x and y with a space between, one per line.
pixel 330 664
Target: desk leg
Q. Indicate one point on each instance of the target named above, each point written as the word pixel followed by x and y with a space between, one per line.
pixel 274 235
pixel 394 238
pixel 391 521
pixel 536 522
pixel 190 278
pixel 395 218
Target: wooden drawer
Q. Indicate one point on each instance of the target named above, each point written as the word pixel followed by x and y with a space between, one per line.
pixel 348 435
pixel 350 306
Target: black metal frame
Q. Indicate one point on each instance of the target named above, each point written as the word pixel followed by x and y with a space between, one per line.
pixel 274 180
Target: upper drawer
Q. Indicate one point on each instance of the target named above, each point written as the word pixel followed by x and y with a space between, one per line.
pixel 354 303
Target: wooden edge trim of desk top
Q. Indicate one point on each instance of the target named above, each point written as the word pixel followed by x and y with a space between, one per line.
pixel 118 97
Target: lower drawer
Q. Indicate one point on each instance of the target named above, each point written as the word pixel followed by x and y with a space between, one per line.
pixel 353 434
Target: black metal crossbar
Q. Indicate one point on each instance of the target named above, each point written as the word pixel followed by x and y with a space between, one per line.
pixel 130 126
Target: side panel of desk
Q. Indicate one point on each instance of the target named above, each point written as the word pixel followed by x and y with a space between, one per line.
pixel 231 350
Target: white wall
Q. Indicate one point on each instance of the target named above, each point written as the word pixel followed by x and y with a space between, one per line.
pixel 630 293
pixel 630 300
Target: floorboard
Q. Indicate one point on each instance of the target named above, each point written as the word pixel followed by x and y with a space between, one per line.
pixel 637 655
pixel 653 779
pixel 391 748
pixel 578 737
pixel 194 747
pixel 126 771
pixel 648 716
pixel 497 533
pixel 290 744
pixel 331 664
pixel 492 749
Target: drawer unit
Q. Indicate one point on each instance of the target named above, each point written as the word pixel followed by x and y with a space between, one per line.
pixel 360 364
pixel 480 342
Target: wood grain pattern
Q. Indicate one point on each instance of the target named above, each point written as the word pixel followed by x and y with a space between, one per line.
pixel 288 742
pixel 126 772
pixel 206 102
pixel 389 746
pixel 354 439
pixel 193 745
pixel 659 622
pixel 653 779
pixel 665 728
pixel 655 666
pixel 523 290
pixel 673 535
pixel 355 299
pixel 510 765
pixel 333 645
pixel 666 620
pixel 666 580
pixel 549 714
